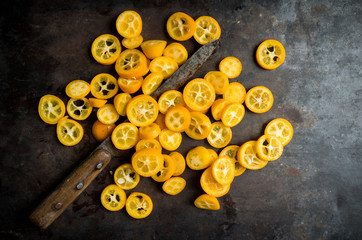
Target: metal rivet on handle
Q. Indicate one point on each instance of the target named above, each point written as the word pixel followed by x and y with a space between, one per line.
pixel 99 165
pixel 58 205
pixel 80 186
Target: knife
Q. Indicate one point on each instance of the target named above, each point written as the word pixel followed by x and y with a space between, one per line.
pixel 58 200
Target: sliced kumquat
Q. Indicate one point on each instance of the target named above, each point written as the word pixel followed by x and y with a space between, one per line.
pixel 281 128
pixel 101 131
pixel 180 26
pixel 120 102
pixel 180 163
pixel 219 81
pixel 126 177
pixel 77 89
pixel 147 162
pixel 220 135
pixel 207 202
pixel 174 185
pixel 268 147
pixel 51 109
pixel 69 132
pixel 139 205
pixel 104 86
pixel 218 107
pixel 211 186
pixel 148 143
pixel 232 114
pixel 165 65
pixel 150 131
pixel 248 158
pixel 125 136
pixel 270 54
pixel 79 109
pixel 235 93
pixel 107 114
pixel 153 48
pixel 223 170
pixel 198 158
pixel 113 198
pixel 178 119
pixel 259 99
pixel 169 99
pixel 129 24
pixel 170 140
pixel 231 152
pixel 199 94
pixel 132 43
pixel 142 110
pixel 231 66
pixel 151 83
pixel 97 103
pixel 207 29
pixel 167 170
pixel 131 63
pixel 106 49
pixel 130 85
pixel 200 126
pixel 177 52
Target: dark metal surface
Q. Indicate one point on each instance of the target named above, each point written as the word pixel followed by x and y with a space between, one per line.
pixel 312 192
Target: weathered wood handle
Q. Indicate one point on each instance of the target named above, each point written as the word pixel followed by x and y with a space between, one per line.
pixel 56 203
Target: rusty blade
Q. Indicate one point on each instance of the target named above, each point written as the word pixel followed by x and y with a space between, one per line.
pixel 188 69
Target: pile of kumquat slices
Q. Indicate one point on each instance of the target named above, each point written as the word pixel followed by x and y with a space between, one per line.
pixel 156 125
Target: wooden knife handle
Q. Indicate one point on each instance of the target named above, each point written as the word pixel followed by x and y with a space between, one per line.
pixel 56 203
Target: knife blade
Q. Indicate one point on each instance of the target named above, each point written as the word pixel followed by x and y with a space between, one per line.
pixel 59 199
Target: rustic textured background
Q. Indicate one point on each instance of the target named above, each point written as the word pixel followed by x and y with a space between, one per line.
pixel 314 191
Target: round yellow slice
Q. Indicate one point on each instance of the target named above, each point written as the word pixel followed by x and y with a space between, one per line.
pixel 281 128
pixel 174 185
pixel 77 89
pixel 248 158
pixel 268 147
pixel 126 177
pixel 208 202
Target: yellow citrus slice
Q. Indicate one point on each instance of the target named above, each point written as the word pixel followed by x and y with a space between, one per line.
pixel 180 163
pixel 281 128
pixel 77 89
pixel 142 110
pixel 177 52
pixel 113 198
pixel 180 26
pixel 139 205
pixel 174 185
pixel 219 81
pixel 268 147
pixel 169 99
pixel 126 177
pixel 147 162
pixel 211 186
pixel 235 93
pixel 170 140
pixel 208 202
pixel 131 63
pixel 79 109
pixel 165 65
pixel 167 170
pixel 153 48
pixel 130 85
pixel 231 152
pixel 69 132
pixel 120 102
pixel 259 99
pixel 150 131
pixel 106 49
pixel 198 158
pixel 125 136
pixel 178 119
pixel 104 86
pixel 107 114
pixel 151 83
pixel 270 54
pixel 200 126
pixel 232 114
pixel 248 158
pixel 220 135
pixel 223 170
pixel 148 143
pixel 51 109
pixel 97 103
pixel 199 94
pixel 213 155
pixel 129 24
pixel 132 43
pixel 231 66
pixel 207 29
pixel 218 107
